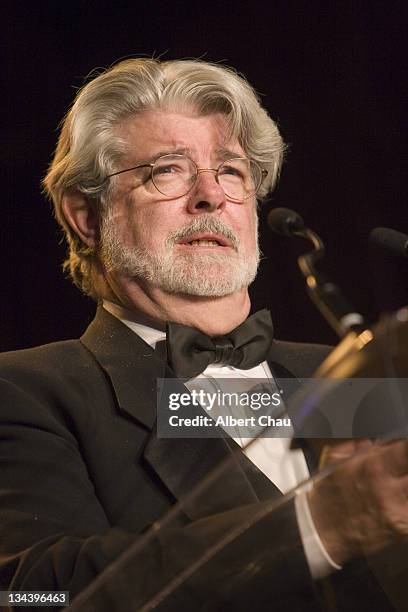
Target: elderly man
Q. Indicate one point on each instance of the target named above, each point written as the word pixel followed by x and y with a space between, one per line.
pixel 154 181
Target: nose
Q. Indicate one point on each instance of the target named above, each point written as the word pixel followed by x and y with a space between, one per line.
pixel 207 195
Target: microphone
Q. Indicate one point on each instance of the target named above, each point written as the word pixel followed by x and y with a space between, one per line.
pixel 391 240
pixel 285 221
pixel 327 296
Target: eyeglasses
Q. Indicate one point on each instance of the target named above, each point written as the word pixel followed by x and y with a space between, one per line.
pixel 175 175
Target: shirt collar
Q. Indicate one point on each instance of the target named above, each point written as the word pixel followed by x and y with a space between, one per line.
pixel 149 334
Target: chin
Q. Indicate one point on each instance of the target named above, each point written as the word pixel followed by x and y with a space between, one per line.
pixel 195 274
pixel 207 278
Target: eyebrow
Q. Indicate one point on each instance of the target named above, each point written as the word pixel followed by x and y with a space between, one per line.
pixel 222 152
pixel 227 153
pixel 169 151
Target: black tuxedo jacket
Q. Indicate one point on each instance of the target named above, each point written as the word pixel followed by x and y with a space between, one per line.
pixel 83 477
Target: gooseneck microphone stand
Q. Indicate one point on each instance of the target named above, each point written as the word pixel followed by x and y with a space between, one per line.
pixel 325 294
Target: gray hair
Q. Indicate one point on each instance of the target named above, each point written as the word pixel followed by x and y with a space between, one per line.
pixel 88 150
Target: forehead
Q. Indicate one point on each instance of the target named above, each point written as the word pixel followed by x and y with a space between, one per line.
pixel 151 132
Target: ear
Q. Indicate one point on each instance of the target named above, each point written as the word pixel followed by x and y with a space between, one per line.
pixel 81 214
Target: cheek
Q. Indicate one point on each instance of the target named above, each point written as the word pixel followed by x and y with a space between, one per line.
pixel 122 219
pixel 249 228
pixel 151 227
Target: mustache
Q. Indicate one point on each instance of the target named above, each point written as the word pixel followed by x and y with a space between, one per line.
pixel 204 224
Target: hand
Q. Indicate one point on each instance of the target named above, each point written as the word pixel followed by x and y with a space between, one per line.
pixel 362 506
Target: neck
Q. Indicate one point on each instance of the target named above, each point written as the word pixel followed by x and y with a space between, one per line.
pixel 214 316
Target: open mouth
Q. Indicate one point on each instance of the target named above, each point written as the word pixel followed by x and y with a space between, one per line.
pixel 205 240
pixel 208 243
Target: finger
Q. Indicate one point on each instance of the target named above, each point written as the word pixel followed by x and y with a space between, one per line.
pixel 332 453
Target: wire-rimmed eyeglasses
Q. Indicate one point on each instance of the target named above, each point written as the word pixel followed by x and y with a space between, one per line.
pixel 174 176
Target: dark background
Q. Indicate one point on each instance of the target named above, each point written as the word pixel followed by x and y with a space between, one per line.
pixel 333 74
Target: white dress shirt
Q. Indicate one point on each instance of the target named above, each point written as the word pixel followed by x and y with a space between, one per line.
pixel 285 468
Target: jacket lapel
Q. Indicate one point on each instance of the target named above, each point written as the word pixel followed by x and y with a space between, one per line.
pixel 130 363
pixel 205 474
pixel 289 383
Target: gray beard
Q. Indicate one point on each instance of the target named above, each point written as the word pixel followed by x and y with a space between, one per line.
pixel 200 274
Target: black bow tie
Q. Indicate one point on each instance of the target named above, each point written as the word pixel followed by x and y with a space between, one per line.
pixel 190 351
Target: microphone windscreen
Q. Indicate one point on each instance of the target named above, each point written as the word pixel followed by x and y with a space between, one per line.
pixel 390 239
pixel 285 221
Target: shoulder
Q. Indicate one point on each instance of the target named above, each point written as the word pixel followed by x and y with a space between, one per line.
pixel 55 358
pixel 61 377
pixel 300 358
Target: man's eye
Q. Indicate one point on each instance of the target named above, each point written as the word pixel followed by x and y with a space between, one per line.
pixel 173 169
pixel 231 170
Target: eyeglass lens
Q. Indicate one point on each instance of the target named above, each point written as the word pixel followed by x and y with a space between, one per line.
pixel 174 175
